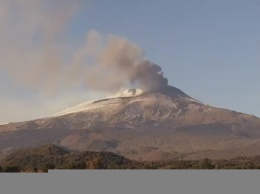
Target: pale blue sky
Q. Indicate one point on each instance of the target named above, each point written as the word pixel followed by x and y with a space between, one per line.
pixel 210 49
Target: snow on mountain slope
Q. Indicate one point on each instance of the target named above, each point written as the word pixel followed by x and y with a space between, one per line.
pixel 129 93
pixel 126 93
pixel 135 123
pixel 94 105
pixel 78 108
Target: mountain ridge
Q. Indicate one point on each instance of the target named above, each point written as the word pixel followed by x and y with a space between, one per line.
pixel 154 124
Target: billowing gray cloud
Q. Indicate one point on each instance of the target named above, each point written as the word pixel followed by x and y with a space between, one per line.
pixel 115 62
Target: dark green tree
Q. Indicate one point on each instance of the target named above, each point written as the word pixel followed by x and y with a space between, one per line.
pixel 12 169
pixel 206 164
pixel 35 169
pixel 95 163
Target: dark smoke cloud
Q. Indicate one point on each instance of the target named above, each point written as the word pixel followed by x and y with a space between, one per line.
pixel 116 63
pixel 105 63
pixel 148 75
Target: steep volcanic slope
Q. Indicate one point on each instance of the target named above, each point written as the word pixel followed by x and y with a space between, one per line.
pixel 150 125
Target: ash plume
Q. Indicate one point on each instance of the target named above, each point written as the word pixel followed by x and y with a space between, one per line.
pixel 36 59
pixel 115 62
pixel 33 51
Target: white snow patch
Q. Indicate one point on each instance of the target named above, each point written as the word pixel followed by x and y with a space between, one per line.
pixel 5 123
pixel 78 108
pixel 129 93
pixel 90 105
pixel 194 100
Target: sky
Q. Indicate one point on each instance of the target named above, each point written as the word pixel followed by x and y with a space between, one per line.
pixel 210 49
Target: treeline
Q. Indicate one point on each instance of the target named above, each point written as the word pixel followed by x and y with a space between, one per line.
pixel 119 163
pixel 53 157
pixel 234 163
pixel 10 169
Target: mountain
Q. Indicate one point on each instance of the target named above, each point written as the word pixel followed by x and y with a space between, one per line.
pixel 159 124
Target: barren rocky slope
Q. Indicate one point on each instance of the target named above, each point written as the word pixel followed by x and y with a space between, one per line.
pixel 153 125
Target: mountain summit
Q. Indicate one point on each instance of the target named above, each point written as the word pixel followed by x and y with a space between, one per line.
pixel 169 92
pixel 129 93
pixel 163 123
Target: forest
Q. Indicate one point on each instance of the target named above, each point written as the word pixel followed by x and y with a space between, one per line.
pixel 44 158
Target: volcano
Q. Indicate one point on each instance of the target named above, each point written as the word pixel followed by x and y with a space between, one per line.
pixel 159 124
